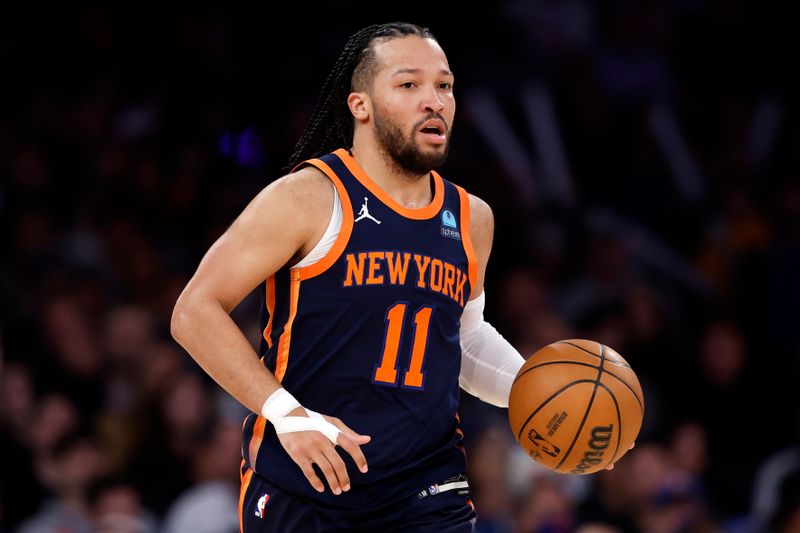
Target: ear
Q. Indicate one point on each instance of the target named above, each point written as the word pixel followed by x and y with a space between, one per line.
pixel 360 106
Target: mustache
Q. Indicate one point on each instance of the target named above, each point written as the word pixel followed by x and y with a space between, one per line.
pixel 428 117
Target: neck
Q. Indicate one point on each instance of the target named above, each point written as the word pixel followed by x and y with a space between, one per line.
pixel 409 190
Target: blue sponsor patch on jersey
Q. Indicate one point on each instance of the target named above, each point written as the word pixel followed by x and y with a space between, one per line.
pixel 448 219
pixel 449 227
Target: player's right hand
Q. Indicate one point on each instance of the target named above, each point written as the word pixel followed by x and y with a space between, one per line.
pixel 307 448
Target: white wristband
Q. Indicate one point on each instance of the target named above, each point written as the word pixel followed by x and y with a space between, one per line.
pixel 279 404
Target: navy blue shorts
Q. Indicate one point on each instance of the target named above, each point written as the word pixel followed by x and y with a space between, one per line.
pixel 265 508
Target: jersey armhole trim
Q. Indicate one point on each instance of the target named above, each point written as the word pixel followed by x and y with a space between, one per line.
pixel 472 260
pixel 269 300
pixel 346 230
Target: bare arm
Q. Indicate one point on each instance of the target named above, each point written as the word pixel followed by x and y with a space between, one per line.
pixel 265 236
pixel 280 225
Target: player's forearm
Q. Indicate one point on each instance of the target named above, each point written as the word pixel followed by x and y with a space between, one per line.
pixel 215 342
pixel 489 363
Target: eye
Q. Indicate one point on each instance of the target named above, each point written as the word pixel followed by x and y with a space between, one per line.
pixel 446 86
pixel 407 85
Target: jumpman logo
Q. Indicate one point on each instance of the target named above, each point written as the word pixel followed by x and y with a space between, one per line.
pixel 365 213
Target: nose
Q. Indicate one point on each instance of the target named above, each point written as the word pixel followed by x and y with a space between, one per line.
pixel 432 102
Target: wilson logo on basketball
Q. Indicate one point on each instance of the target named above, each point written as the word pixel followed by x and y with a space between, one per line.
pixel 601 437
pixel 542 444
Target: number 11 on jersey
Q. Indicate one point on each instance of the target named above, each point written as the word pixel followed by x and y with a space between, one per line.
pixel 386 371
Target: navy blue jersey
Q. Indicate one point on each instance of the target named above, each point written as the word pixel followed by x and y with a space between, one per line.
pixel 370 334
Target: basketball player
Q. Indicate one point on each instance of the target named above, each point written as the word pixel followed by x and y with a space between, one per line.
pixel 371 267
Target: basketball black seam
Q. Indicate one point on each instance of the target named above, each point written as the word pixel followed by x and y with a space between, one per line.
pixel 619 420
pixel 552 363
pixel 548 400
pixel 640 400
pixel 588 407
pixel 610 373
pixel 626 365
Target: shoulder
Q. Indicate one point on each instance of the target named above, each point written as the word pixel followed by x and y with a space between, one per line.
pixel 479 211
pixel 481 234
pixel 308 186
pixel 481 221
pixel 294 205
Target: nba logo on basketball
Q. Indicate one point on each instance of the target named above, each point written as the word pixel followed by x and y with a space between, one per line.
pixel 262 503
pixel 542 444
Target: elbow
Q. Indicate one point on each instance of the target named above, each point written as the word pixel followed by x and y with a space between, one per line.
pixel 181 318
pixel 193 308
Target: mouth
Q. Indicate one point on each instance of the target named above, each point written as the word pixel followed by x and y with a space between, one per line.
pixel 434 131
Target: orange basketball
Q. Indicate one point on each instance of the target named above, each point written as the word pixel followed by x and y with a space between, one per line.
pixel 576 406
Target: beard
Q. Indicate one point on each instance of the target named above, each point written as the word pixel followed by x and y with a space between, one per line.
pixel 404 150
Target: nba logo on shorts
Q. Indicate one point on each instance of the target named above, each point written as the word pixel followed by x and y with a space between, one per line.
pixel 433 489
pixel 262 502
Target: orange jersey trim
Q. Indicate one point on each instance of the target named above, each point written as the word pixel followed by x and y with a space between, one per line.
pixel 344 233
pixel 423 213
pixel 245 484
pixel 256 439
pixel 282 359
pixel 261 422
pixel 467 240
pixel 286 337
pixel 270 299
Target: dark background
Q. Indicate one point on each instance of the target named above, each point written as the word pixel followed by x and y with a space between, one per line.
pixel 641 159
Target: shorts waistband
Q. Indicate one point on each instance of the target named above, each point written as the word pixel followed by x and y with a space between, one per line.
pixel 458 483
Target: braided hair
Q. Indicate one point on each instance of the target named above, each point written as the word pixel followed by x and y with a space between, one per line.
pixel 332 124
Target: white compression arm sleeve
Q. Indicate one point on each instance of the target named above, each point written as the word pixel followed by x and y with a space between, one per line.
pixel 489 363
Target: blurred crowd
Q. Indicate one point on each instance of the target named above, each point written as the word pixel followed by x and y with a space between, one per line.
pixel 131 136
